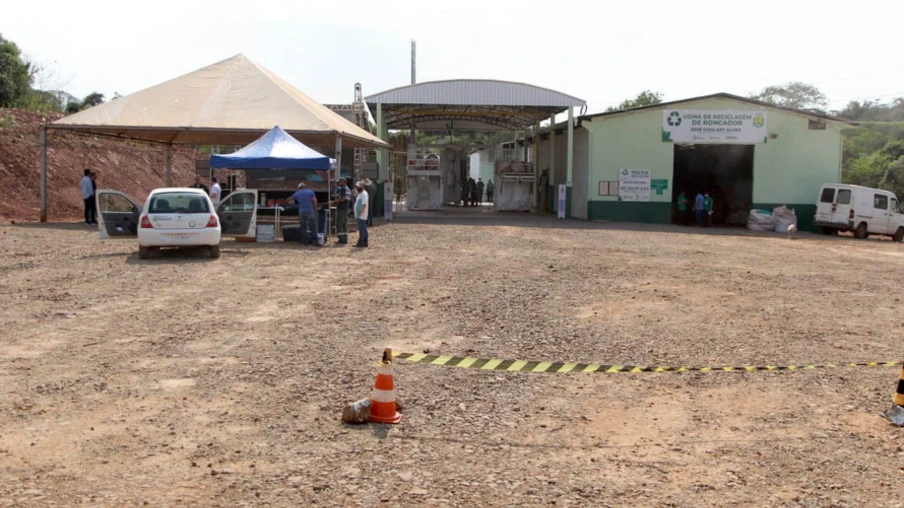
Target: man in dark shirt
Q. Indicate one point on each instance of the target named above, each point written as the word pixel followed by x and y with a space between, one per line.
pixel 307 216
pixel 199 185
pixel 342 201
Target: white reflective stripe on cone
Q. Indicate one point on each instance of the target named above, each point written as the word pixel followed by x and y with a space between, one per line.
pixel 383 395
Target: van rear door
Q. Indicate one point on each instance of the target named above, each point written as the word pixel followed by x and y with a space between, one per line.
pixel 841 207
pixel 825 205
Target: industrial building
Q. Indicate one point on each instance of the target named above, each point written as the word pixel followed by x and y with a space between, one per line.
pixel 631 165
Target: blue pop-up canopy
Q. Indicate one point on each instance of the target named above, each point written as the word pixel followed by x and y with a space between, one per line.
pixel 274 150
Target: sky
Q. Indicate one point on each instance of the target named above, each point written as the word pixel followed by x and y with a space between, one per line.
pixel 599 51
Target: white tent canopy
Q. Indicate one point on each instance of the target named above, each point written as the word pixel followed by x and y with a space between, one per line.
pixel 230 102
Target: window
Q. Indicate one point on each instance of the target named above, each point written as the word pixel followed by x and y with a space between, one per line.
pixel 844 197
pixel 816 125
pixel 242 202
pixel 880 201
pixel 608 188
pixel 508 154
pixel 491 155
pixel 177 202
pixel 894 205
pixel 828 195
pixel 114 203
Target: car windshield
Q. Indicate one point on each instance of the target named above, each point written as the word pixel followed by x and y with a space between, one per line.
pixel 178 202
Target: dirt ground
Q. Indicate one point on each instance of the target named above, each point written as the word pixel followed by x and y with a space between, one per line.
pixel 185 381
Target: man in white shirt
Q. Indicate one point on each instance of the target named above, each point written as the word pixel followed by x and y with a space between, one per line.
pixel 87 187
pixel 215 192
pixel 361 213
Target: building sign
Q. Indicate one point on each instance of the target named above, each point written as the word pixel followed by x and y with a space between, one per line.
pixel 713 126
pixel 659 185
pixel 563 194
pixel 388 194
pixel 634 184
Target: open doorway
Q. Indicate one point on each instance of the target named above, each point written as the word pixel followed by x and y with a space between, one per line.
pixel 726 171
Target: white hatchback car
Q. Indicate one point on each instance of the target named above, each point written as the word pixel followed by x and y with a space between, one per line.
pixel 175 217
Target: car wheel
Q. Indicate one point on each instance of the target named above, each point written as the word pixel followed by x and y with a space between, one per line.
pixel 861 231
pixel 214 251
pixel 899 235
pixel 143 252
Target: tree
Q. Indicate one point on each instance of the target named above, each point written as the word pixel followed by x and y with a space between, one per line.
pixel 92 99
pixel 795 95
pixel 15 75
pixel 893 179
pixel 645 98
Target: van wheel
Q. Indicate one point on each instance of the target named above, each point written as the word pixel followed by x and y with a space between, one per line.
pixel 143 252
pixel 899 235
pixel 861 231
pixel 214 251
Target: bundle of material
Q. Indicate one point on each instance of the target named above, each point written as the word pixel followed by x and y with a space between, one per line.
pixel 761 220
pixel 784 218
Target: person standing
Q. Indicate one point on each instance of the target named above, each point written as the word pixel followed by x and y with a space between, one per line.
pixel 465 193
pixel 87 188
pixel 215 192
pixel 361 213
pixel 472 191
pixel 94 194
pixel 708 209
pixel 480 187
pixel 307 216
pixel 682 208
pixel 490 188
pixel 199 185
pixel 698 209
pixel 371 189
pixel 343 196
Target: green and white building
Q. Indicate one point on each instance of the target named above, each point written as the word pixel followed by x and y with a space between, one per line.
pixel 630 165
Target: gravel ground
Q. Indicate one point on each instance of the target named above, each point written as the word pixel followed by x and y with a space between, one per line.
pixel 185 381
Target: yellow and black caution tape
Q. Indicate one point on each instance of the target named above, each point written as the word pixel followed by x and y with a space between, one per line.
pixel 565 367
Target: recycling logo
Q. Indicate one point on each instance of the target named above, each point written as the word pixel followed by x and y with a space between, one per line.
pixel 674 119
pixel 624 172
pixel 759 120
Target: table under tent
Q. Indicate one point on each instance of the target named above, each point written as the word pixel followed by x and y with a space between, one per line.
pixel 274 166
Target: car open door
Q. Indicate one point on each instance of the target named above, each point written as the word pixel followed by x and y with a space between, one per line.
pixel 118 215
pixel 238 214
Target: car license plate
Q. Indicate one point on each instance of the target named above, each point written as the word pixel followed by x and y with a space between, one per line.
pixel 180 236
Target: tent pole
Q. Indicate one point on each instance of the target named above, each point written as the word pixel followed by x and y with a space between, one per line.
pixel 169 164
pixel 338 175
pixel 43 173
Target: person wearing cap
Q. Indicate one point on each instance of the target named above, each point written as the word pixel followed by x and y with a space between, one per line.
pixel 371 189
pixel 362 211
pixel 343 196
pixel 200 185
pixel 307 216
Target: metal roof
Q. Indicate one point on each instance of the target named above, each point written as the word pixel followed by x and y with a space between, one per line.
pixel 721 95
pixel 470 104
pixel 476 92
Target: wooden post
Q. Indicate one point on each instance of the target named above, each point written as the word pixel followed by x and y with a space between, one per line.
pixel 169 164
pixel 330 181
pixel 43 137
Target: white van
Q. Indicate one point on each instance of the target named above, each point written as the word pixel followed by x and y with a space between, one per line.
pixel 859 209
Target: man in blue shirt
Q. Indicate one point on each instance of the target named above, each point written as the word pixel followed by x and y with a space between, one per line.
pixel 698 209
pixel 307 217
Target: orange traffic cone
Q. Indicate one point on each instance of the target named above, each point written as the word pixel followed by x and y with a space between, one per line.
pixel 382 402
pixel 895 413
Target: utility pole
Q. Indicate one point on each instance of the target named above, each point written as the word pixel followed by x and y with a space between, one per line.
pixel 413 61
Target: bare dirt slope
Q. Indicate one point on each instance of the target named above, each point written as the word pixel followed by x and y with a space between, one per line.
pixel 134 168
pixel 184 381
